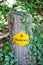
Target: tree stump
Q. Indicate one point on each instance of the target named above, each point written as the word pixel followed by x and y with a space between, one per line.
pixel 15 27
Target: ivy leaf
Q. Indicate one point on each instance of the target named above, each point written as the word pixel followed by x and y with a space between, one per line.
pixel 1 56
pixel 12 61
pixel 7 58
pixel 11 54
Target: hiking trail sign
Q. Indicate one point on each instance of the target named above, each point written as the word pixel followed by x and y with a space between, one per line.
pixel 21 38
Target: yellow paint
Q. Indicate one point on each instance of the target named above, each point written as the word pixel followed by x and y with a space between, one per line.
pixel 21 38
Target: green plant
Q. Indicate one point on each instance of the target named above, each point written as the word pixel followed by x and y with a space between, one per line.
pixel 1 56
pixel 33 6
pixel 6 47
pixel 4 9
pixel 8 59
pixel 36 45
pixel 2 21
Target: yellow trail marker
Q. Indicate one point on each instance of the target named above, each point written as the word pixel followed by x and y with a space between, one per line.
pixel 21 38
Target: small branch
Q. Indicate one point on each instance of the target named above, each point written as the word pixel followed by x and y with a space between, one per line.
pixel 4 36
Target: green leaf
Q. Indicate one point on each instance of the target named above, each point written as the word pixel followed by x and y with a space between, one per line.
pixel 1 56
pixel 12 61
pixel 11 54
pixel 7 58
pixel 15 60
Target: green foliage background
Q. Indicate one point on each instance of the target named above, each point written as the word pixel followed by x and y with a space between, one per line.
pixel 35 7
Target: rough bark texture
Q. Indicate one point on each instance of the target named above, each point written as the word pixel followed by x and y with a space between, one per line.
pixel 15 27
